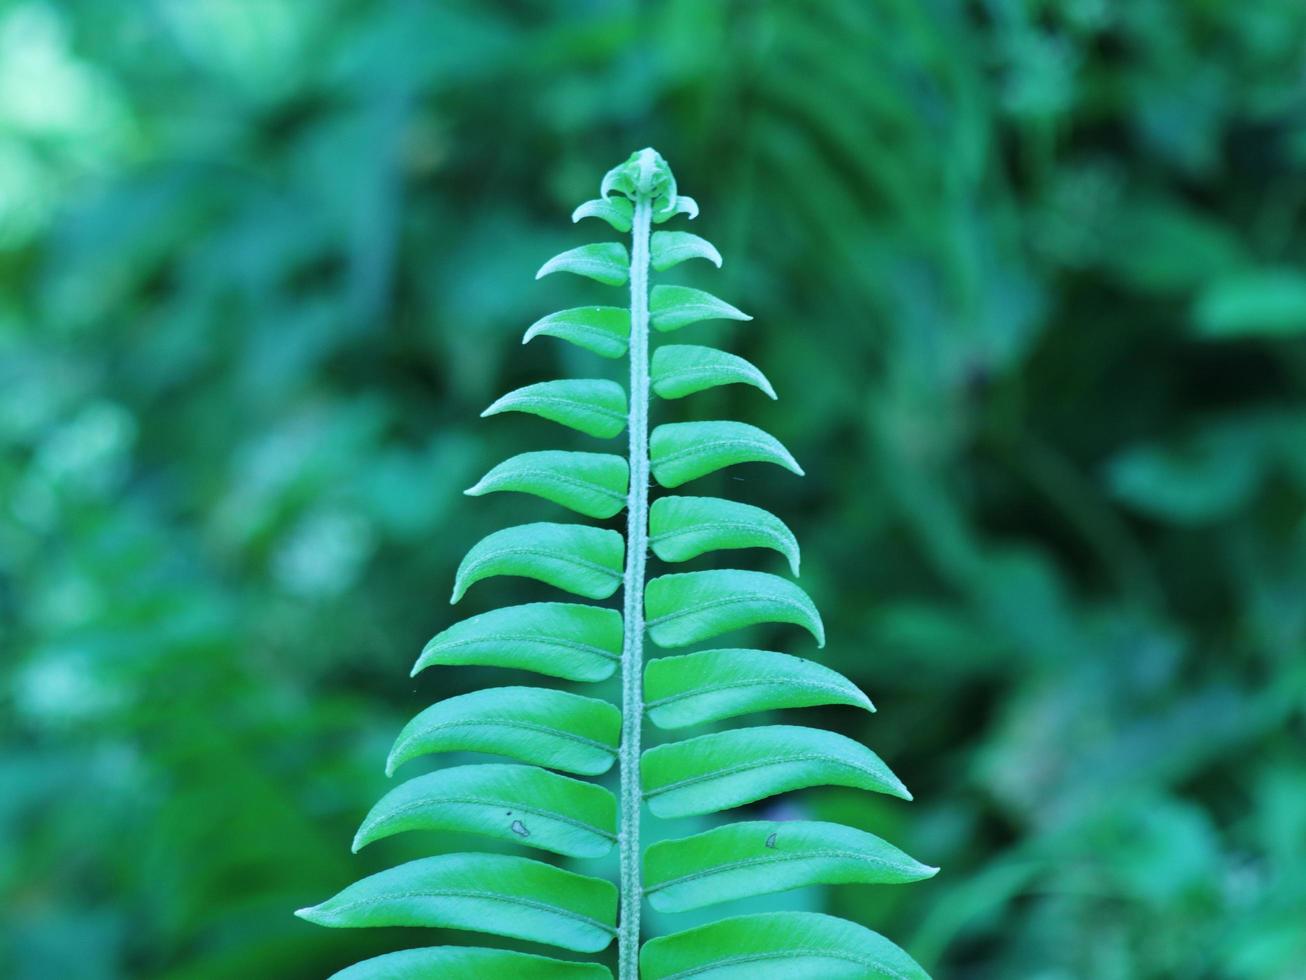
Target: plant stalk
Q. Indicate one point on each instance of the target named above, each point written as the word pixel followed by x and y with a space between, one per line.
pixel 632 649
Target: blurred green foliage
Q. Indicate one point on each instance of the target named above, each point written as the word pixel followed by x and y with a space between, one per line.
pixel 264 261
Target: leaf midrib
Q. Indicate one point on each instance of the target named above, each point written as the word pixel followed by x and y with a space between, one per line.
pixel 529 638
pixel 475 893
pixel 764 860
pixel 705 526
pixel 558 816
pixel 529 726
pixel 726 601
pixel 760 764
pixel 715 688
pixel 540 553
pixel 556 477
pixel 716 444
pixel 570 402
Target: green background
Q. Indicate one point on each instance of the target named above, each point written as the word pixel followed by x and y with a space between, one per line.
pixel 1026 275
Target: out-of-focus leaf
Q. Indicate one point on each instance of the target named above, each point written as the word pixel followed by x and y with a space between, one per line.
pixel 469 963
pixel 605 262
pixel 1201 481
pixel 535 725
pixel 777 946
pixel 728 769
pixel 605 330
pixel 559 639
pixel 594 406
pixel 758 857
pixel 1258 303
pixel 714 684
pixel 683 369
pixel 576 557
pixel 690 607
pixel 673 307
pixel 1168 247
pixel 669 248
pixel 684 451
pixel 681 528
pixel 593 484
pixel 524 804
pixel 495 893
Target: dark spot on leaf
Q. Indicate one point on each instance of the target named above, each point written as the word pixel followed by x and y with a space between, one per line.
pixel 770 841
pixel 519 829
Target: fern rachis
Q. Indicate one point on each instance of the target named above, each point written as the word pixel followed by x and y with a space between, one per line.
pixel 541 799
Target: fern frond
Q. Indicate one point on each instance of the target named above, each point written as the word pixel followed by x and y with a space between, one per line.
pixel 548 733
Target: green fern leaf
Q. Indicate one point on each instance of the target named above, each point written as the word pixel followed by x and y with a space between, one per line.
pixel 605 330
pixel 469 963
pixel 616 211
pixel 605 262
pixel 531 724
pixel 685 369
pixel 592 406
pixel 524 804
pixel 673 307
pixel 715 684
pixel 777 946
pixel 728 769
pixel 684 451
pixel 673 247
pixel 496 893
pixel 694 606
pixel 760 857
pixel 682 205
pixel 560 639
pixel 593 484
pixel 580 559
pixel 681 528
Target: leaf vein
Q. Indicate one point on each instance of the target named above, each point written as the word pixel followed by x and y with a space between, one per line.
pixel 760 764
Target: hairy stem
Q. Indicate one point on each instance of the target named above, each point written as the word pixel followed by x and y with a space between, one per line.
pixel 632 650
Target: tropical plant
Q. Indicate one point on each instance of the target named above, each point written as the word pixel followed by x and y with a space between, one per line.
pixel 550 733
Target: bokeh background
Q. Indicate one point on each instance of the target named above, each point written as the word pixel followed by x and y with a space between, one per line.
pixel 1027 276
